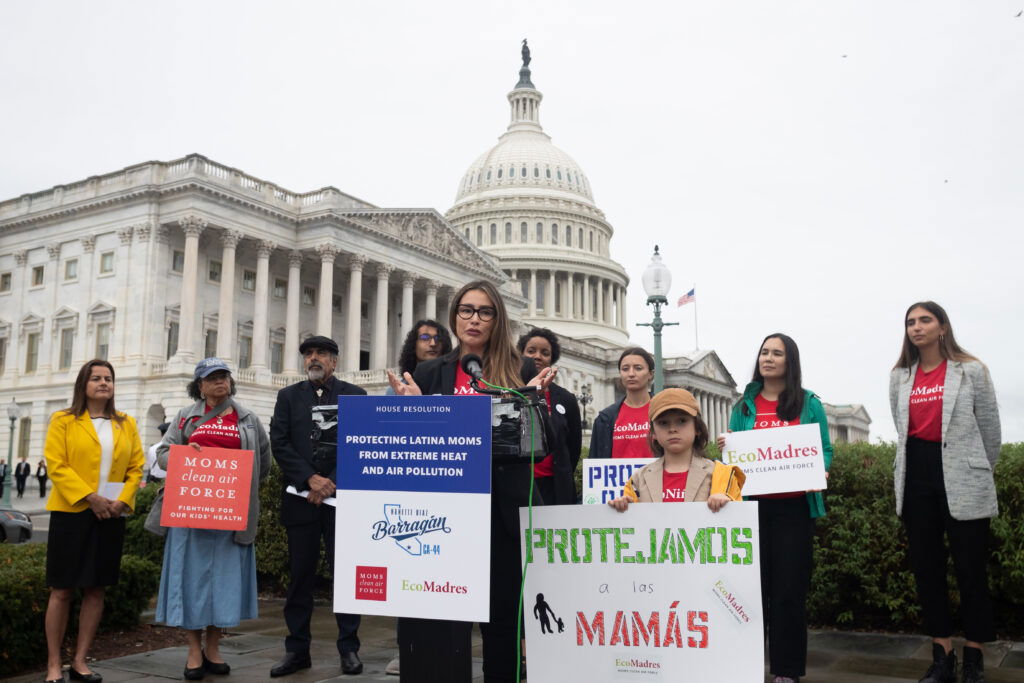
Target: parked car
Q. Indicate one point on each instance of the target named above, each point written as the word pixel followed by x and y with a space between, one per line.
pixel 15 526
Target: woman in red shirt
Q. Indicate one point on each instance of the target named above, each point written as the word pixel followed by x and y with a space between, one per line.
pixel 948 440
pixel 620 430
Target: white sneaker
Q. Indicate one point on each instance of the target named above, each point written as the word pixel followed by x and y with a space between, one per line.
pixel 392 668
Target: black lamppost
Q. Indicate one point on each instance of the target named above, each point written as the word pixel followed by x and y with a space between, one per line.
pixel 657 280
pixel 585 398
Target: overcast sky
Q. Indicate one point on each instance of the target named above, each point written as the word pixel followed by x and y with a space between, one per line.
pixel 813 167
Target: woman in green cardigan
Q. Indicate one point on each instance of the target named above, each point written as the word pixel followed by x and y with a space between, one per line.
pixel 776 398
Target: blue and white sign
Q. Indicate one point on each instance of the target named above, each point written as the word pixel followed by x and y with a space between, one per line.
pixel 400 548
pixel 605 479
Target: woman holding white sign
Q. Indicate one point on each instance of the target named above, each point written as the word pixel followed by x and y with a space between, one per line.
pixel 620 430
pixel 482 327
pixel 208 580
pixel 775 397
pixel 947 422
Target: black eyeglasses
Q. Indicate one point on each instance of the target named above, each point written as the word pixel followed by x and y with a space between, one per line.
pixel 430 337
pixel 485 313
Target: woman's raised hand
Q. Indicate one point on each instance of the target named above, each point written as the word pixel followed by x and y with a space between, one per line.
pixel 544 378
pixel 406 388
pixel 721 441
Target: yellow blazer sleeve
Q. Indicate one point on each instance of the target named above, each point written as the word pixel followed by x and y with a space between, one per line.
pixel 57 451
pixel 630 492
pixel 728 479
pixel 136 460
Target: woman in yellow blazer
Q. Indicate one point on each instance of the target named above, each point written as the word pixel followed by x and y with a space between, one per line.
pixel 95 459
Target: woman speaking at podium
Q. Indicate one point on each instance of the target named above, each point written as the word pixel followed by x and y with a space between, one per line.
pixel 437 650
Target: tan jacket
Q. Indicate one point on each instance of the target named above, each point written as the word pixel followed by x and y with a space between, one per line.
pixel 706 477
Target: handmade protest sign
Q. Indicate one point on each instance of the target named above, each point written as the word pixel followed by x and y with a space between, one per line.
pixel 414 483
pixel 605 478
pixel 207 489
pixel 777 460
pixel 661 592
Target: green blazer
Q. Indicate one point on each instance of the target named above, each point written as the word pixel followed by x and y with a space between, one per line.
pixel 813 412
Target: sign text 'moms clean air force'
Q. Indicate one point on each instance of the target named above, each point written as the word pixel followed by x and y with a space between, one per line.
pixel 777 460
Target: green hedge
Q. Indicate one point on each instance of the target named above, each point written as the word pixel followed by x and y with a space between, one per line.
pixel 24 596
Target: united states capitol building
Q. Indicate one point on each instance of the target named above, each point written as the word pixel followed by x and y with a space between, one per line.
pixel 159 264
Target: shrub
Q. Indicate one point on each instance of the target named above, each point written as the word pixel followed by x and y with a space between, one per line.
pixel 138 541
pixel 24 596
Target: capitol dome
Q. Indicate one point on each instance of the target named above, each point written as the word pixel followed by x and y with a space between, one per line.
pixel 529 204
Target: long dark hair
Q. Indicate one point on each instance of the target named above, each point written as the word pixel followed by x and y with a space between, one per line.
pixel 948 347
pixel 791 400
pixel 501 360
pixel 79 402
pixel 407 357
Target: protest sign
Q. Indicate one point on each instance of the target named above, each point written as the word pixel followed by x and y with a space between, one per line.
pixel 605 478
pixel 207 489
pixel 402 549
pixel 661 592
pixel 777 460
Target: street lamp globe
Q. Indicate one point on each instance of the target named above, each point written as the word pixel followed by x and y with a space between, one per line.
pixel 12 410
pixel 657 279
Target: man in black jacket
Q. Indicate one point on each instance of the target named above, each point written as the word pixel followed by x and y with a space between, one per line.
pixel 306 454
pixel 21 474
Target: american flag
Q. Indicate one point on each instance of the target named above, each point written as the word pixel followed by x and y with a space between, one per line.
pixel 687 298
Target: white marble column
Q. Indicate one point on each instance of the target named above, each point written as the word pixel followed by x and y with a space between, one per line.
pixel 625 319
pixel 549 298
pixel 226 305
pixel 328 252
pixel 408 282
pixel 379 350
pixel 356 262
pixel 80 353
pixel 119 341
pixel 570 308
pixel 261 300
pixel 192 226
pixel 600 300
pixel 586 298
pixel 431 308
pixel 291 316
pixel 533 293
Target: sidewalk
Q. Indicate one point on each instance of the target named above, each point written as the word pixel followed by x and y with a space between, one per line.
pixel 834 656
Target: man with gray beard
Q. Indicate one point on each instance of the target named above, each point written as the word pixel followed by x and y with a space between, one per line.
pixel 303 436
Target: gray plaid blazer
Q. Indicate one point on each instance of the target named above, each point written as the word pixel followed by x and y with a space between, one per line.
pixel 971 437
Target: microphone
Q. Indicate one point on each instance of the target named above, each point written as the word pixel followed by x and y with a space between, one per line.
pixel 473 366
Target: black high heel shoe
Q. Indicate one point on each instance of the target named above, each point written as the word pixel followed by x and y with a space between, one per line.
pixel 216 668
pixel 91 677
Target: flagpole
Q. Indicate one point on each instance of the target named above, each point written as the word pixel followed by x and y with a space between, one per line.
pixel 696 337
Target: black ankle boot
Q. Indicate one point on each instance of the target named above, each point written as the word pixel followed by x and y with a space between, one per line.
pixel 943 668
pixel 974 666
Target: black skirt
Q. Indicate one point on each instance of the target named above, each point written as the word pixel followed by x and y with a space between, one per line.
pixel 83 551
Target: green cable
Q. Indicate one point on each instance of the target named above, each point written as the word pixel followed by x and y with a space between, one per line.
pixel 522 584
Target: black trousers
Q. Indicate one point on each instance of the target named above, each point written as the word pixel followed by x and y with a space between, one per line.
pixel 927 520
pixel 42 488
pixel 20 484
pixel 303 556
pixel 787 546
pixel 439 651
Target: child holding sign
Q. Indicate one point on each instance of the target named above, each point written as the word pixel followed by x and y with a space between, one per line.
pixel 681 474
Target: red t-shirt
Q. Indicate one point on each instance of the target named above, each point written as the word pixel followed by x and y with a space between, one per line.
pixel 673 486
pixel 220 432
pixel 462 387
pixel 545 468
pixel 767 416
pixel 629 437
pixel 926 404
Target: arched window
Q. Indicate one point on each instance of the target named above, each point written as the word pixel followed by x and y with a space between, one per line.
pixel 591 240
pixel 568 236
pixel 536 172
pixel 467 233
pixel 523 172
pixel 508 233
pixel 499 174
pixel 488 174
pixel 580 240
pixel 479 234
pixel 559 174
pixel 494 233
pixel 554 233
pixel 523 229
pixel 540 233
pixel 548 172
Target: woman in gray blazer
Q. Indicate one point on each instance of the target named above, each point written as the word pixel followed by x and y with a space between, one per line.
pixel 947 422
